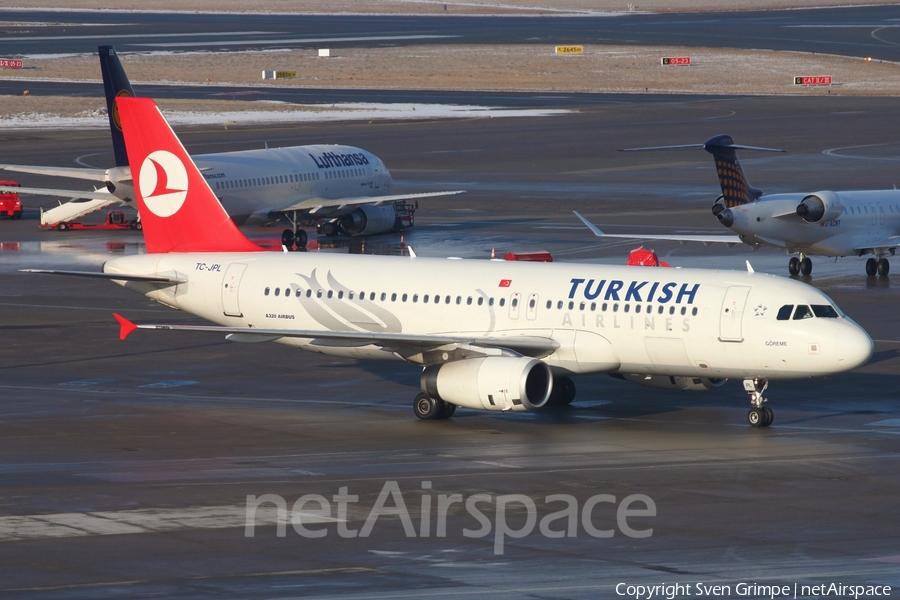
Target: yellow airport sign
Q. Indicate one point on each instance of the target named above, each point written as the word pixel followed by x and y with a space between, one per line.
pixel 570 49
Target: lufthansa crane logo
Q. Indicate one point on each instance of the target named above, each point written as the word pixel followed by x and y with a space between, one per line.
pixel 163 183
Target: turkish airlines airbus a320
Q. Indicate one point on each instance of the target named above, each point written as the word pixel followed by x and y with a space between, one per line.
pixel 501 336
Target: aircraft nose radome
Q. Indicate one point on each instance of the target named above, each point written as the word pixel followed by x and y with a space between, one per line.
pixel 854 347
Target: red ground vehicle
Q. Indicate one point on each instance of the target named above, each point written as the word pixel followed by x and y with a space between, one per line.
pixel 10 205
pixel 115 219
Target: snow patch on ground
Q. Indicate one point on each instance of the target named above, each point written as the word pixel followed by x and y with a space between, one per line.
pixel 341 112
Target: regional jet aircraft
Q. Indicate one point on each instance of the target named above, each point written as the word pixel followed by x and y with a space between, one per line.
pixel 498 336
pixel 826 223
pixel 341 188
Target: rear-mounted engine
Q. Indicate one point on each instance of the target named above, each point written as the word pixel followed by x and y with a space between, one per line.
pixel 821 206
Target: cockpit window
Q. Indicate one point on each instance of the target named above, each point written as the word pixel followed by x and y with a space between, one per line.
pixel 784 313
pixel 824 311
pixel 802 312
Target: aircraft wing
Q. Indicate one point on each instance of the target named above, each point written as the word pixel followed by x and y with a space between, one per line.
pixel 61 193
pixel 73 172
pixel 314 205
pixel 529 345
pixel 704 239
pixel 884 242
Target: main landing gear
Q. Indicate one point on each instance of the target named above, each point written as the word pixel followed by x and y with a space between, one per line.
pixel 294 236
pixel 759 415
pixel 428 408
pixel 879 265
pixel 803 265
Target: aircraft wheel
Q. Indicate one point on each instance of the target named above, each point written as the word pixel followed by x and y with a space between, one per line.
pixel 300 239
pixel 62 227
pixel 806 265
pixel 448 411
pixel 428 408
pixel 770 415
pixel 794 266
pixel 756 417
pixel 871 267
pixel 287 239
pixel 884 267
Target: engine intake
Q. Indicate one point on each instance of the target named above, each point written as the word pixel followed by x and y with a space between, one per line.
pixel 367 220
pixel 821 206
pixel 671 383
pixel 492 383
pixel 725 217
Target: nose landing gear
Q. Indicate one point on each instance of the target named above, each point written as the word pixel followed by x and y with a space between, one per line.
pixel 759 415
pixel 294 235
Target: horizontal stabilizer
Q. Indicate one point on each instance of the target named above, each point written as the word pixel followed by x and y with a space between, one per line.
pixel 708 144
pixel 731 240
pixel 115 276
pixel 95 195
pixel 316 204
pixel 72 172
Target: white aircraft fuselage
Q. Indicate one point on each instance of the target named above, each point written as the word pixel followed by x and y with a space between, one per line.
pixel 252 184
pixel 673 322
pixel 858 221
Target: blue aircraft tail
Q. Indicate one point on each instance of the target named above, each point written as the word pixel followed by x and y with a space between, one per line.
pixel 736 190
pixel 735 187
pixel 115 84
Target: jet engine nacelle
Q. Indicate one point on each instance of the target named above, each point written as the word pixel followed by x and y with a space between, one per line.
pixel 672 383
pixel 821 206
pixel 368 219
pixel 492 383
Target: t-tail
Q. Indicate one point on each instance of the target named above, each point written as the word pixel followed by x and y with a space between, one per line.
pixel 179 211
pixel 736 190
pixel 115 84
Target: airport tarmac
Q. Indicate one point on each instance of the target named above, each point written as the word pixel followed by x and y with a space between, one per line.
pixel 854 31
pixel 126 466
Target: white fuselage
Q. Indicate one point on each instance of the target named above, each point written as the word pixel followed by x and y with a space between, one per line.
pixel 865 224
pixel 676 322
pixel 252 184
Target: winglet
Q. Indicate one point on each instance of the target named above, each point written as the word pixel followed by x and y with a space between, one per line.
pixel 125 326
pixel 750 267
pixel 590 225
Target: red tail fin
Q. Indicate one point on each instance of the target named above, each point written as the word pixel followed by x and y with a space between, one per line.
pixel 179 211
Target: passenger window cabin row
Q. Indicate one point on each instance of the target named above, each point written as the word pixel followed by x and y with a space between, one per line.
pixel 479 301
pixel 290 178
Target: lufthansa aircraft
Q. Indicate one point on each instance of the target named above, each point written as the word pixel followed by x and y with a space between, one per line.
pixel 345 189
pixel 489 335
pixel 825 223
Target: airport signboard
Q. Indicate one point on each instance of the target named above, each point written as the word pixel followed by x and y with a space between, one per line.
pixel 570 49
pixel 10 63
pixel 676 61
pixel 822 80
